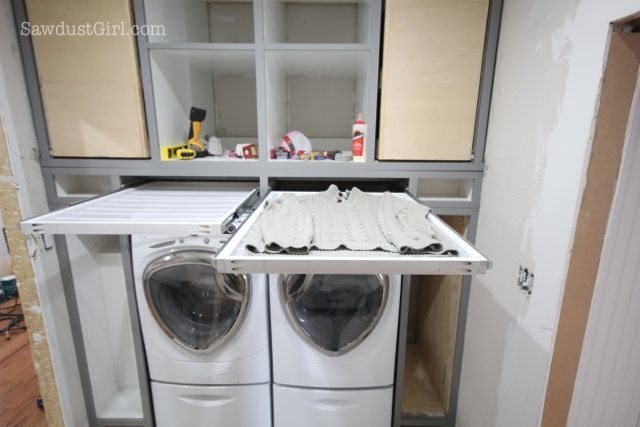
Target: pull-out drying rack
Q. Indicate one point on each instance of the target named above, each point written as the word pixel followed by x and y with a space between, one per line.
pixel 163 207
pixel 208 208
pixel 234 257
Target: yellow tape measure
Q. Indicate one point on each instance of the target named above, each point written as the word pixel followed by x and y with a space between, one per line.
pixel 186 154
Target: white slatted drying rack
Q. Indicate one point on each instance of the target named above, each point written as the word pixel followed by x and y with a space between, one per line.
pixel 179 208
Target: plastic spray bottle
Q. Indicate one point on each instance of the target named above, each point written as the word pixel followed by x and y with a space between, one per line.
pixel 357 143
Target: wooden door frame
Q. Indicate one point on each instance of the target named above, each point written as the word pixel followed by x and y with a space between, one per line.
pixel 616 97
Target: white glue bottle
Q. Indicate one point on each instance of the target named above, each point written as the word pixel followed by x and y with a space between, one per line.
pixel 358 135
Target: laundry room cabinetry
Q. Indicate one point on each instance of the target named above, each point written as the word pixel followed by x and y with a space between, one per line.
pixel 66 187
pixel 99 284
pixel 81 187
pixel 431 340
pixel 342 21
pixel 428 369
pixel 101 270
pixel 432 65
pixel 423 374
pixel 419 72
pixel 265 67
pixel 88 79
pixel 203 56
pixel 317 93
pixel 200 21
pixel 320 70
pixel 262 69
pixel 222 82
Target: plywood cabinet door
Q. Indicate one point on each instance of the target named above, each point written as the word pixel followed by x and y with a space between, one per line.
pixel 432 60
pixel 90 84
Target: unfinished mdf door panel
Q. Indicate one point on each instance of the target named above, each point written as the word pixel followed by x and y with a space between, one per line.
pixel 432 60
pixel 431 342
pixel 90 84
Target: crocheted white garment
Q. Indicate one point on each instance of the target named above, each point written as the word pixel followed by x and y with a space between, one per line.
pixel 334 220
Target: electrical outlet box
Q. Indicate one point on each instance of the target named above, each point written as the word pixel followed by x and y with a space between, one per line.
pixel 525 280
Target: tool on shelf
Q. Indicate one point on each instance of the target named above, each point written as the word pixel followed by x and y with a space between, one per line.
pixel 196 116
pixel 186 154
pixel 170 152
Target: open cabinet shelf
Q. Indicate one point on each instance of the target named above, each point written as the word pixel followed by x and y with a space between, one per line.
pixel 420 398
pixel 201 46
pixel 70 186
pixel 317 93
pixel 313 21
pixel 99 281
pixel 309 68
pixel 432 333
pixel 124 403
pixel 221 82
pixel 307 47
pixel 201 21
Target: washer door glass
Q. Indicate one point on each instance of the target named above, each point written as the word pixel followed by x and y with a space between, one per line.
pixel 194 305
pixel 334 312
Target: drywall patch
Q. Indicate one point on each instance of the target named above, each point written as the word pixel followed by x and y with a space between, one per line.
pixel 10 211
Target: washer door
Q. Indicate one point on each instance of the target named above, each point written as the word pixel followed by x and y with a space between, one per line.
pixel 334 312
pixel 195 305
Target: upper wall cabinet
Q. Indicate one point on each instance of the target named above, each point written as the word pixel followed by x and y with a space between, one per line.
pixel 432 61
pixel 90 84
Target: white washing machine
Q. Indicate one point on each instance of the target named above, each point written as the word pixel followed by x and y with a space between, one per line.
pixel 334 349
pixel 206 334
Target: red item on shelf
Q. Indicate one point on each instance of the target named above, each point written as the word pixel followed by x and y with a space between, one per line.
pixel 250 151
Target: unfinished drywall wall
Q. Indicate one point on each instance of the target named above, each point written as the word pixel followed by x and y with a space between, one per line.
pixel 548 75
pixel 23 191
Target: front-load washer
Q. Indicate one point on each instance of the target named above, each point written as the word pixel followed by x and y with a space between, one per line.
pixel 334 348
pixel 205 333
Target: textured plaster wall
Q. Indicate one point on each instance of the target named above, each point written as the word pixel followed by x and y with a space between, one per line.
pixel 548 74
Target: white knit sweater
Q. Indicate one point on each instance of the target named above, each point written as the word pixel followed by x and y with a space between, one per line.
pixel 333 220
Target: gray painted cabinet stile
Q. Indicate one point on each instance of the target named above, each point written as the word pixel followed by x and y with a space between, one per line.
pixel 262 171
